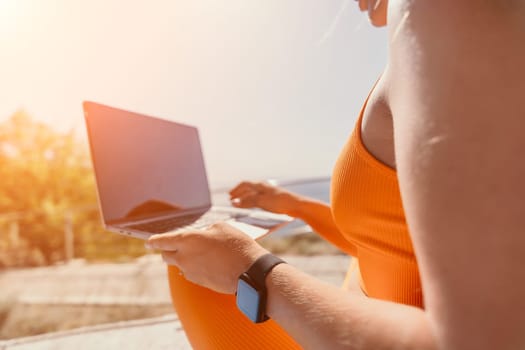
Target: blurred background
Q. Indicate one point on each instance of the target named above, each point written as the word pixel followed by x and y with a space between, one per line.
pixel 273 86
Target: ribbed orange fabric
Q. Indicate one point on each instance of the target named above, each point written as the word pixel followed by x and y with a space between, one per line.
pixel 367 209
pixel 212 321
pixel 366 205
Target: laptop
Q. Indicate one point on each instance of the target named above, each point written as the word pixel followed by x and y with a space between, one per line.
pixel 151 177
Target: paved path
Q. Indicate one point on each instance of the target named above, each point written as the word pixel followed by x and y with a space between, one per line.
pixel 142 282
pixel 156 333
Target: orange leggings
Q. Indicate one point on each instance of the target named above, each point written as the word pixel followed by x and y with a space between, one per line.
pixel 212 321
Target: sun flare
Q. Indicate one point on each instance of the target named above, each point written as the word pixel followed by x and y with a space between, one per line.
pixel 10 11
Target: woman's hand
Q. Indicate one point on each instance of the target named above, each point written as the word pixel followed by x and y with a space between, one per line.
pixel 213 258
pixel 265 196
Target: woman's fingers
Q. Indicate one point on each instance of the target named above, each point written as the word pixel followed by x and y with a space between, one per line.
pixel 171 258
pixel 240 188
pixel 262 186
pixel 165 241
pixel 170 241
pixel 214 257
pixel 248 200
pixel 245 186
pixel 244 192
pixel 244 195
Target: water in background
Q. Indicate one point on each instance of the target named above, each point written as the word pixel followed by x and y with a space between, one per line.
pixel 317 188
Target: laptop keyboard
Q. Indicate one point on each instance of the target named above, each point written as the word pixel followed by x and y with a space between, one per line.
pixel 191 221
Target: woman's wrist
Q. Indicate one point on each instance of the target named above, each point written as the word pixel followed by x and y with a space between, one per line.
pixel 304 208
pixel 251 254
pixel 276 280
pixel 295 204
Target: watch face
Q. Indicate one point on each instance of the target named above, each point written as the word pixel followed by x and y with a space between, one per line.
pixel 248 300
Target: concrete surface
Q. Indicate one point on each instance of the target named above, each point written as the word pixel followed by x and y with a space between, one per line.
pixel 142 282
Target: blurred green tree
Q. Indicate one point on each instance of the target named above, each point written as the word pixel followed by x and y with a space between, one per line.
pixel 46 176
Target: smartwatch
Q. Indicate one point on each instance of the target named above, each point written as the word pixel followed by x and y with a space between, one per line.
pixel 251 288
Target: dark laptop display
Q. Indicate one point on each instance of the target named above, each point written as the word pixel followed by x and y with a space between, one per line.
pixel 145 166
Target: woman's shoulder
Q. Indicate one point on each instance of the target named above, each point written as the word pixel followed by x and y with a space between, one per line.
pixel 451 10
pixel 461 40
pixel 477 20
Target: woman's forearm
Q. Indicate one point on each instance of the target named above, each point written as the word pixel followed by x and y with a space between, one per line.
pixel 318 216
pixel 321 316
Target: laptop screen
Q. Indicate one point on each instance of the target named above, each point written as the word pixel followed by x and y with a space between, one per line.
pixel 144 166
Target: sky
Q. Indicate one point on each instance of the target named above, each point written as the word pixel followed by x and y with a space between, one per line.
pixel 274 86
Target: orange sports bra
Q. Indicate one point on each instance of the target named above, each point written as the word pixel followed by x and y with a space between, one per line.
pixel 367 209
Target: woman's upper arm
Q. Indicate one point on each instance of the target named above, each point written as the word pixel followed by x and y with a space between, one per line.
pixel 458 100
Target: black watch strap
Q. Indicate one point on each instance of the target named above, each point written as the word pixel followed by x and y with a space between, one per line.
pixel 262 267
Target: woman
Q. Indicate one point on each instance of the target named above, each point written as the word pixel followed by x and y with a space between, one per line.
pixel 443 131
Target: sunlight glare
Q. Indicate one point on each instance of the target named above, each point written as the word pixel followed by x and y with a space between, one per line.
pixel 10 11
